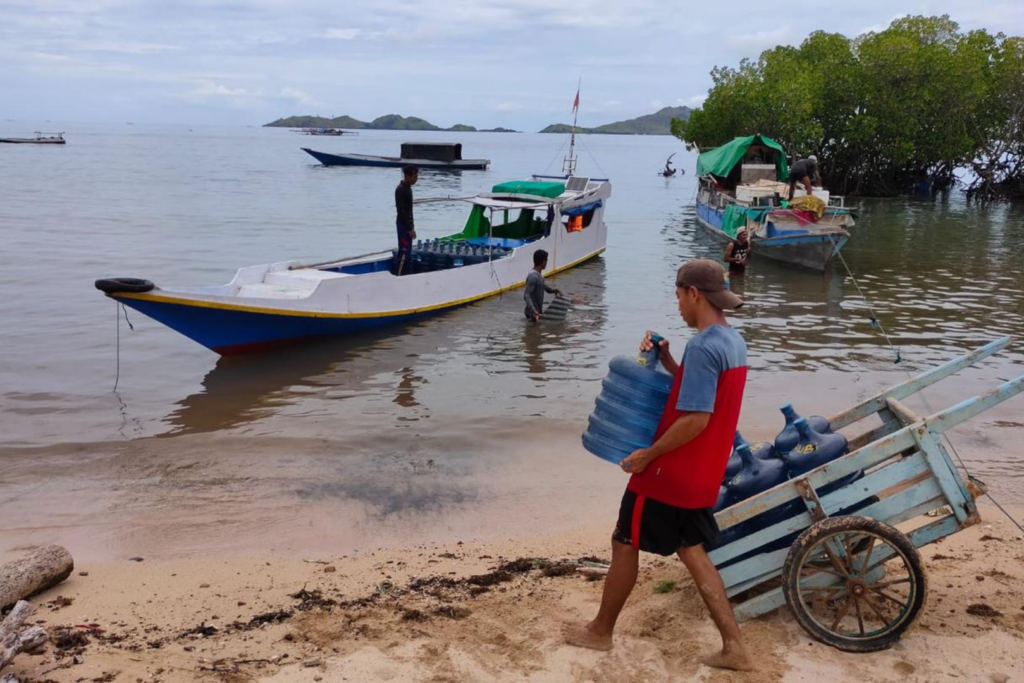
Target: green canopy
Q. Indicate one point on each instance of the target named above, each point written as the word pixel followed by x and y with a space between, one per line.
pixel 531 187
pixel 720 161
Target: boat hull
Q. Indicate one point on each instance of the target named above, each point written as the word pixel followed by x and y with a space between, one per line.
pixel 395 162
pixel 235 329
pixel 31 141
pixel 812 251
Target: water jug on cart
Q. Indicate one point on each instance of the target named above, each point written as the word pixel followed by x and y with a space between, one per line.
pixel 813 450
pixel 788 437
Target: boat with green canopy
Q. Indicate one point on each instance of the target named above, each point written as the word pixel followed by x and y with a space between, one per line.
pixel 743 186
pixel 276 303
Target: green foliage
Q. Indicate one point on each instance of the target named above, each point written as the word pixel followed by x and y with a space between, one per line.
pixel 664 587
pixel 883 111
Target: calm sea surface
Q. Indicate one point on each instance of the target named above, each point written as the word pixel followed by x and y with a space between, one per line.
pixel 182 205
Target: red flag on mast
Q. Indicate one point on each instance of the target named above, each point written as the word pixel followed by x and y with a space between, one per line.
pixel 576 102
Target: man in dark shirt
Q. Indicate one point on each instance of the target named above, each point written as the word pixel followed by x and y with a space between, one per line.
pixel 404 220
pixel 804 171
pixel 535 287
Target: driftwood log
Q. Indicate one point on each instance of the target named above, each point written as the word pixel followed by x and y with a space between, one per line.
pixel 43 568
pixel 14 638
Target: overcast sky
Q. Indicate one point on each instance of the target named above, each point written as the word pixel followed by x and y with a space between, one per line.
pixel 512 63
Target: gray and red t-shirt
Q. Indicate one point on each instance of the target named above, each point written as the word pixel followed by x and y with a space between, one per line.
pixel 711 377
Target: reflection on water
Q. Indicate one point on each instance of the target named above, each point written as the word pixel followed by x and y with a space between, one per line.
pixel 485 356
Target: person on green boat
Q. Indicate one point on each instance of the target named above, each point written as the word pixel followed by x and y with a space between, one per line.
pixel 804 171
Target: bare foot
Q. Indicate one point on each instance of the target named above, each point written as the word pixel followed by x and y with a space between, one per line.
pixel 733 656
pixel 580 635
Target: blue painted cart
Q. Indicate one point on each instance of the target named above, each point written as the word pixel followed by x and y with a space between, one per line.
pixel 855 581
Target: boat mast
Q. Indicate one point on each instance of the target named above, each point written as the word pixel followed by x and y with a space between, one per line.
pixel 569 162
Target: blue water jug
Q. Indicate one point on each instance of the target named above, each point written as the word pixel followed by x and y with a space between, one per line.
pixel 762 450
pixel 788 437
pixel 755 475
pixel 629 407
pixel 724 499
pixel 814 450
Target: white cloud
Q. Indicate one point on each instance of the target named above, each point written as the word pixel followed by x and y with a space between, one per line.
pixel 296 95
pixel 211 89
pixel 693 101
pixel 754 43
pixel 343 33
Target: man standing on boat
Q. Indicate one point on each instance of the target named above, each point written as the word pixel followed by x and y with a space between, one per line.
pixel 404 220
pixel 804 171
pixel 667 506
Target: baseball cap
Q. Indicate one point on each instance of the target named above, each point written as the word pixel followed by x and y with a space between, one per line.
pixel 708 277
pixel 813 158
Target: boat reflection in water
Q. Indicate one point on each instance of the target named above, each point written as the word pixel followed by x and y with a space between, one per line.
pixel 480 361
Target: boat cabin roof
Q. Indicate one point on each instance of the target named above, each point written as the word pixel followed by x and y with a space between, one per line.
pixel 432 151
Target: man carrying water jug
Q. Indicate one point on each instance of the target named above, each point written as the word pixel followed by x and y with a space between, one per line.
pixel 667 506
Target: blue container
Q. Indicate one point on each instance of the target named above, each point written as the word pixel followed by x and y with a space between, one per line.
pixel 812 449
pixel 755 475
pixel 724 499
pixel 789 437
pixel 629 407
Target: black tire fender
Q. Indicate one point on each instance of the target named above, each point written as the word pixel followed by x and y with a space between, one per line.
pixel 115 285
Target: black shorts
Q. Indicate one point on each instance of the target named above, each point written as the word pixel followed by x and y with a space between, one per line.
pixel 662 528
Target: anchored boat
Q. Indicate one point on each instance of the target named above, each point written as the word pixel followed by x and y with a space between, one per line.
pixel 41 138
pixel 276 303
pixel 742 188
pixel 441 156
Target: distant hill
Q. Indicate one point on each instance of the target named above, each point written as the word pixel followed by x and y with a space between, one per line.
pixel 387 122
pixel 658 123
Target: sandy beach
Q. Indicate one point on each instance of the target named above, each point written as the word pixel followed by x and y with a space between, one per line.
pixel 490 612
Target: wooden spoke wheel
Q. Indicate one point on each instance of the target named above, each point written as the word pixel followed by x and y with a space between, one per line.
pixel 854 583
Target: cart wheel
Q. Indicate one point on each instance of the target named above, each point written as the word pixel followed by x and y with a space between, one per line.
pixel 854 583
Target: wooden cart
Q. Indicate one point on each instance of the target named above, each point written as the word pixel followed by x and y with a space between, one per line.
pixel 855 581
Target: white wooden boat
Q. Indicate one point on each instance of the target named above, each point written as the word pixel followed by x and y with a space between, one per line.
pixel 276 303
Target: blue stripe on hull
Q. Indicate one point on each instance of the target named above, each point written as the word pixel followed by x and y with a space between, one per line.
pixel 231 332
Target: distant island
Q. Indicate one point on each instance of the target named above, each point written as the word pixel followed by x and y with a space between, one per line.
pixel 388 122
pixel 658 123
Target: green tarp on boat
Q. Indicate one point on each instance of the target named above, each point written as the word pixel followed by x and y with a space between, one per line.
pixel 720 161
pixel 531 187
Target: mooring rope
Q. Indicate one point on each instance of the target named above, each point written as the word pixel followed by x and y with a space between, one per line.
pixel 876 323
pixel 117 315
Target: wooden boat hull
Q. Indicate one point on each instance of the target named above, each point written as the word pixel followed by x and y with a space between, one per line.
pixel 811 251
pixel 395 162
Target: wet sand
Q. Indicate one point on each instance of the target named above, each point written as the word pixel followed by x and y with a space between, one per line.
pixel 410 614
pixel 291 490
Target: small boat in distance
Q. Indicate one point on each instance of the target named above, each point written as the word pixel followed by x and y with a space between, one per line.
pixel 41 138
pixel 742 187
pixel 440 156
pixel 332 132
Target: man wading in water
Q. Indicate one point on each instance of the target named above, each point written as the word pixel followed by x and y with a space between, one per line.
pixel 667 505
